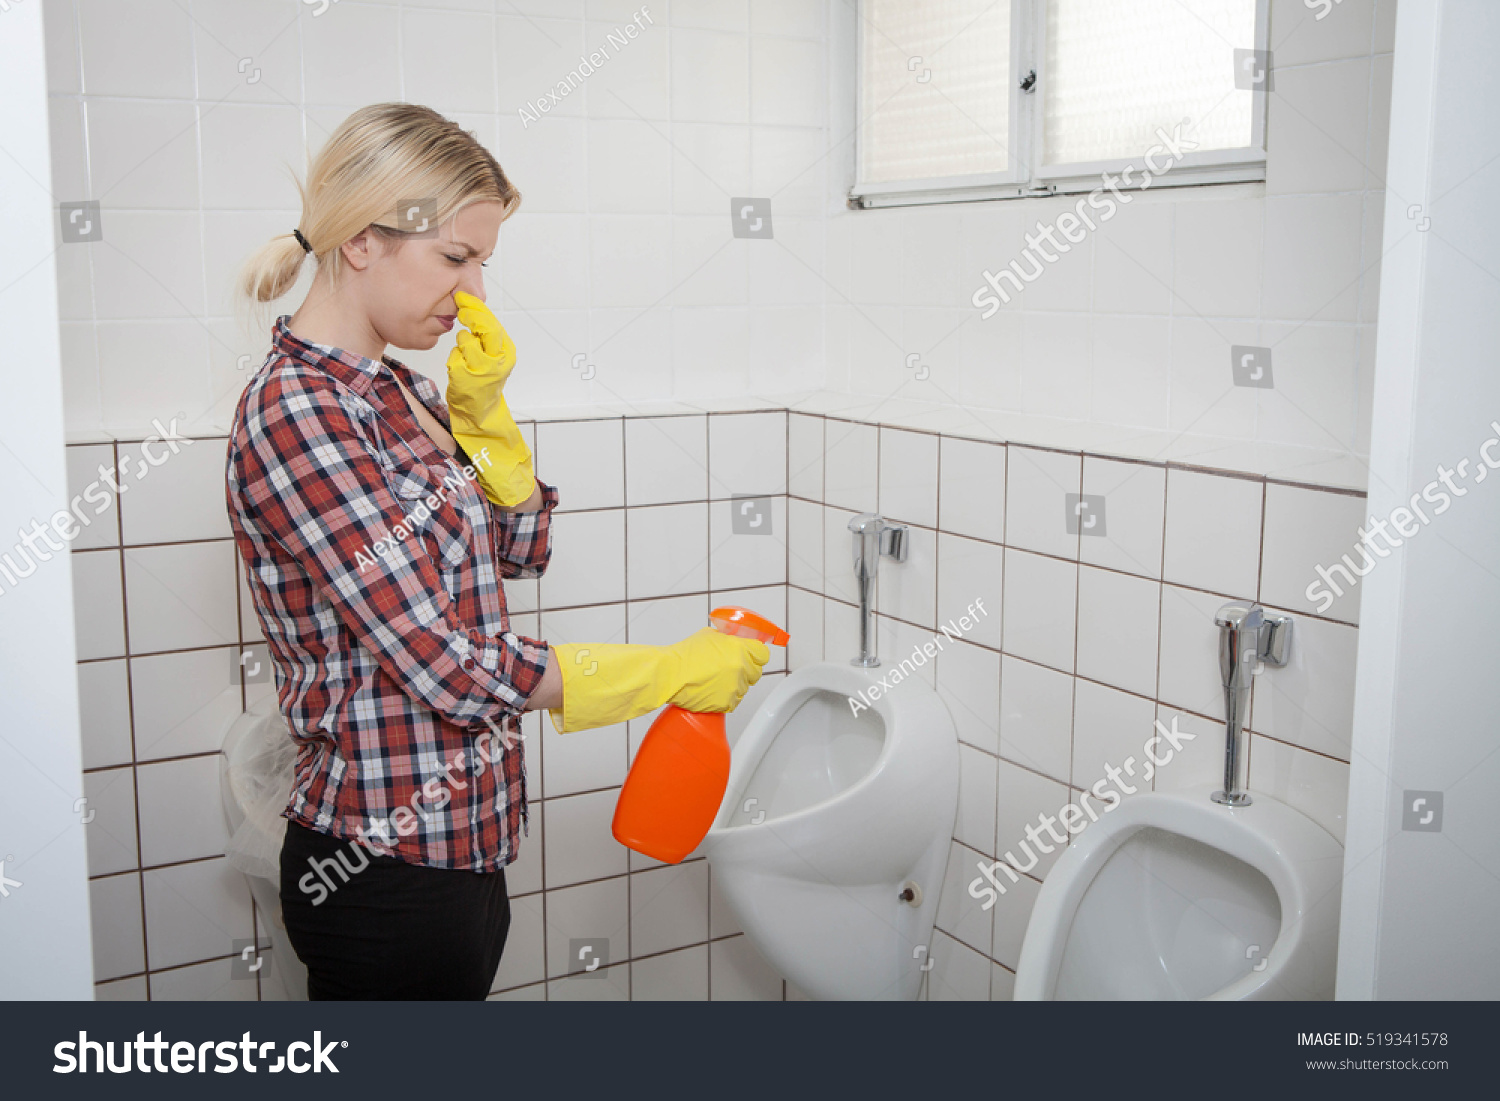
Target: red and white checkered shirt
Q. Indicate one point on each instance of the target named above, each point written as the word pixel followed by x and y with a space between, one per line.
pixel 375 567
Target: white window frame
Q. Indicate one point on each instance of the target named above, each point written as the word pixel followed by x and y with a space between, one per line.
pixel 1028 52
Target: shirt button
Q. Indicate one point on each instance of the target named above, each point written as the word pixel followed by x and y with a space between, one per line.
pixel 468 663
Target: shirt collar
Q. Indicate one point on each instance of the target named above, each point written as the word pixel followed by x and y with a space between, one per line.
pixel 352 369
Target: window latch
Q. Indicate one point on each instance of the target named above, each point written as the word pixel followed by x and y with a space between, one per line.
pixel 1028 82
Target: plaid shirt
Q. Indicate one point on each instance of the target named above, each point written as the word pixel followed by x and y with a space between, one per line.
pixel 390 663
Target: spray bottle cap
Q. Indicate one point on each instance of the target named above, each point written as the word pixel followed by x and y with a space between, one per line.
pixel 732 619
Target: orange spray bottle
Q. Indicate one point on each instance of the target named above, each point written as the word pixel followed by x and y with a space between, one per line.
pixel 675 786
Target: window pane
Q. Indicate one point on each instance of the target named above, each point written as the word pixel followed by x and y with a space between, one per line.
pixel 1118 69
pixel 946 114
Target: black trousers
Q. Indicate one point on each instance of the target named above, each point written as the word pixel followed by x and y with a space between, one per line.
pixel 376 927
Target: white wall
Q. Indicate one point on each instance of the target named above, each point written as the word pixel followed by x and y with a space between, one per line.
pixel 622 251
pixel 1421 908
pixel 1133 327
pixel 44 908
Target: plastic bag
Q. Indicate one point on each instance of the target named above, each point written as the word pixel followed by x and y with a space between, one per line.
pixel 261 769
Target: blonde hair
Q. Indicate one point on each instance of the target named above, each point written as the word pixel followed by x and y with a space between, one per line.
pixel 381 155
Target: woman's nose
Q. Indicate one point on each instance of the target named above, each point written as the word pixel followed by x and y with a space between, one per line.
pixel 472 282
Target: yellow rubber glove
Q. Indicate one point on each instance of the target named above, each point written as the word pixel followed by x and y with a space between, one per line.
pixel 479 417
pixel 610 682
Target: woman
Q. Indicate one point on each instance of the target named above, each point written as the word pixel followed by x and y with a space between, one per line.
pixel 374 542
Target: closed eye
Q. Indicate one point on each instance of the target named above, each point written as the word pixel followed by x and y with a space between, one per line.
pixel 461 261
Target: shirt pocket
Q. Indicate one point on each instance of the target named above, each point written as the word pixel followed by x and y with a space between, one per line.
pixel 429 512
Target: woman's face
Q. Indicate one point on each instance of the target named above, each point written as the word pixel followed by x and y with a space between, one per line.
pixel 408 291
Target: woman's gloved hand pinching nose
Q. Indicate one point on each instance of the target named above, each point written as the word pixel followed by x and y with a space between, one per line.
pixel 610 682
pixel 479 417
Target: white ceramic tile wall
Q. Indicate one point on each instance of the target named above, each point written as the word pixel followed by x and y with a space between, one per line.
pixel 619 277
pixel 163 616
pixel 1097 634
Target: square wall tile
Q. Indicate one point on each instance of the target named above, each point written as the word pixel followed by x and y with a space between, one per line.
pixel 182 595
pixel 804 560
pixel 959 913
pixel 968 681
pixel 909 476
pixel 104 713
pixel 959 974
pixel 1023 799
pixel 585 460
pixel 182 814
pixel 1196 763
pixel 1118 617
pixel 585 760
pixel 908 590
pixel 1309 702
pixel 1036 717
pixel 1012 915
pixel 1318 786
pixel 110 821
pixel 680 976
pixel 598 912
pixel 742 554
pixel 805 456
pixel 666 459
pixel 975 825
pixel 1309 533
pixel 98 604
pixel 588 559
pixel 668 907
pixel 1109 729
pixel 1189 674
pixel 971 488
pixel 851 465
pixel 1041 596
pixel 970 583
pixel 196 911
pixel 184 702
pixel 1036 489
pixel 1135 496
pixel 579 844
pixel 746 454
pixel 182 499
pixel 97 503
pixel 119 939
pixel 668 548
pixel 1213 532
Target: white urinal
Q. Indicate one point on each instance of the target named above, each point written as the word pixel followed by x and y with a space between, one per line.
pixel 1173 896
pixel 829 819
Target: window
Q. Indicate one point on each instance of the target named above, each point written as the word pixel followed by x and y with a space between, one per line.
pixel 974 99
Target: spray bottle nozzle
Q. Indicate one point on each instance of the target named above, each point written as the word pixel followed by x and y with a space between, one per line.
pixel 732 619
